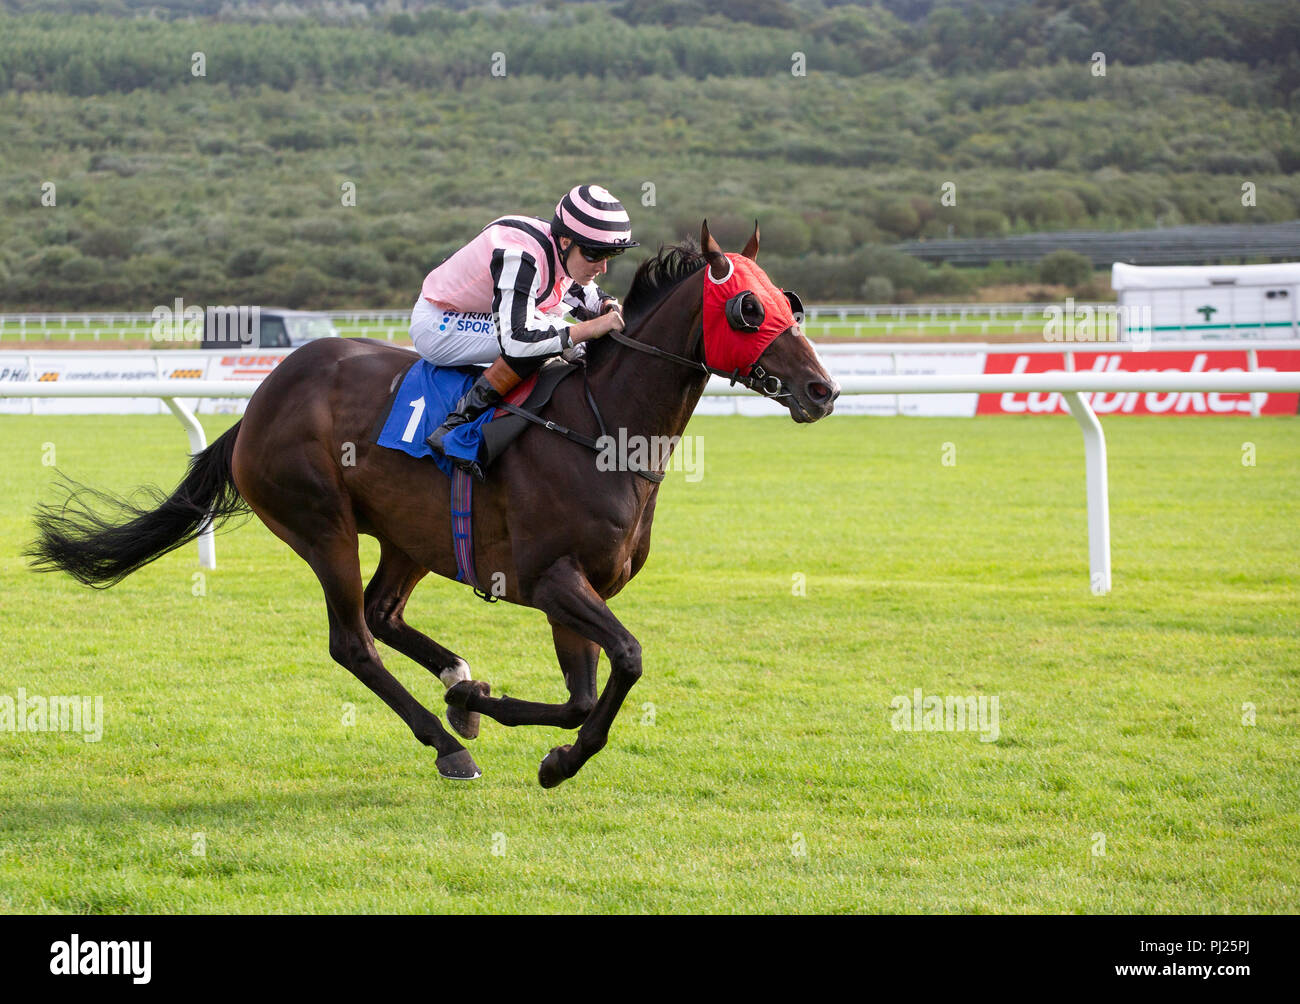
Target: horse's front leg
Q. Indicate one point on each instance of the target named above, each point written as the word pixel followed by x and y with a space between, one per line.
pixel 578 658
pixel 566 596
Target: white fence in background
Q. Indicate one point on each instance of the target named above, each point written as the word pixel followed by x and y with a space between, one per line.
pixel 825 319
pixel 391 325
pixel 843 311
pixel 1071 386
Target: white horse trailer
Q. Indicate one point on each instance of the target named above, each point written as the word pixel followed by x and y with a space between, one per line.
pixel 1211 302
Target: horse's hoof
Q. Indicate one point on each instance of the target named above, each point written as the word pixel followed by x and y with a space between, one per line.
pixel 458 696
pixel 549 773
pixel 458 766
pixel 465 723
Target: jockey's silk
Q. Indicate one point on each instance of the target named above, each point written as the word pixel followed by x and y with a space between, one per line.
pixel 462 280
pixel 726 348
pixel 513 270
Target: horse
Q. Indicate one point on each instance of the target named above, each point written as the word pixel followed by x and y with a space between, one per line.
pixel 552 531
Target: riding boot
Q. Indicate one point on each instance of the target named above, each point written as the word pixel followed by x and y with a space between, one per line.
pixel 487 391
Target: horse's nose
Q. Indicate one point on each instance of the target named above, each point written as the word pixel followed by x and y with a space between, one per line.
pixel 822 394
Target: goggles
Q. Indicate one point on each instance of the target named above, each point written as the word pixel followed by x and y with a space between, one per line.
pixel 595 255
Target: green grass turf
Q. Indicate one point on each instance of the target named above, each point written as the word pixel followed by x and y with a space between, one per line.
pixel 1120 716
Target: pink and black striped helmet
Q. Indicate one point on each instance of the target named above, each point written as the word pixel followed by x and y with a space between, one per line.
pixel 593 218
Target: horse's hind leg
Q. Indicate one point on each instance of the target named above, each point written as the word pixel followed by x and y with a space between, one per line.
pixel 578 658
pixel 327 540
pixel 385 602
pixel 335 562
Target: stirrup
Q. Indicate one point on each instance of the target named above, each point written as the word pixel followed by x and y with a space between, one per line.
pixel 434 440
pixel 479 398
pixel 471 467
pixel 468 466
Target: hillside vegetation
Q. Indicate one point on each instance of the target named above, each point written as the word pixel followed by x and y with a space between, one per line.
pixel 234 185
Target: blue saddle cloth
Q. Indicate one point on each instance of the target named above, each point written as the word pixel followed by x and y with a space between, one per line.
pixel 426 396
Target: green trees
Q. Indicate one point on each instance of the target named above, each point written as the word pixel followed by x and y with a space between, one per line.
pixel 228 184
pixel 440 47
pixel 878 289
pixel 1064 268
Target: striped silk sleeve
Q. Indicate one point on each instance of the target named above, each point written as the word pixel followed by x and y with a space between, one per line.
pixel 588 299
pixel 521 329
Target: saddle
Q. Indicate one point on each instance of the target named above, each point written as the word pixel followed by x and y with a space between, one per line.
pixel 507 423
pixel 423 395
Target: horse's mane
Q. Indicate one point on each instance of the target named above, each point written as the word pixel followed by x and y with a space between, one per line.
pixel 658 276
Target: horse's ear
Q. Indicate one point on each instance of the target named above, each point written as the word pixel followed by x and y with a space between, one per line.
pixel 718 264
pixel 751 249
pixel 707 244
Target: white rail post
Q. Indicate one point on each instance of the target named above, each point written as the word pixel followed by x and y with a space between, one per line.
pixel 1252 364
pixel 1094 450
pixel 198 443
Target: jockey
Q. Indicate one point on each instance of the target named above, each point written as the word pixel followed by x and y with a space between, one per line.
pixel 501 299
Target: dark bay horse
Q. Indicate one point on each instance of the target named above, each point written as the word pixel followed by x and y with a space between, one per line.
pixel 564 535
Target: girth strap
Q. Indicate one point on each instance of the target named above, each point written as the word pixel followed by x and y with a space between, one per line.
pixel 462 532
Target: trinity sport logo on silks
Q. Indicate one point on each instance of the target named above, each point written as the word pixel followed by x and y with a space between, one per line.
pixel 478 324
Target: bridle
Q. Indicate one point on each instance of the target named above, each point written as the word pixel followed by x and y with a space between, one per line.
pixel 758 380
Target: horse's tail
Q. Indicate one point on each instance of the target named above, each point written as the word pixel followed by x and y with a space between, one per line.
pixel 101 546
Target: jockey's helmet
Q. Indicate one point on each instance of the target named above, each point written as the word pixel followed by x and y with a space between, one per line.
pixel 594 220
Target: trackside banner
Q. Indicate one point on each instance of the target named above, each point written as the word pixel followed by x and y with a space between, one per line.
pixel 1137 402
pixel 183 365
pixel 177 365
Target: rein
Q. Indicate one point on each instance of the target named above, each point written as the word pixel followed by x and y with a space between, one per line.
pixel 577 437
pixel 759 380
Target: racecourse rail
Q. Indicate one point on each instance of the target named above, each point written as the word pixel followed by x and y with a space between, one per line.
pixel 823 319
pixel 856 320
pixel 1071 385
pixel 46 321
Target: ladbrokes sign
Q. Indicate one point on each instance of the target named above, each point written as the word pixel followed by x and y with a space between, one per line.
pixel 1141 402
